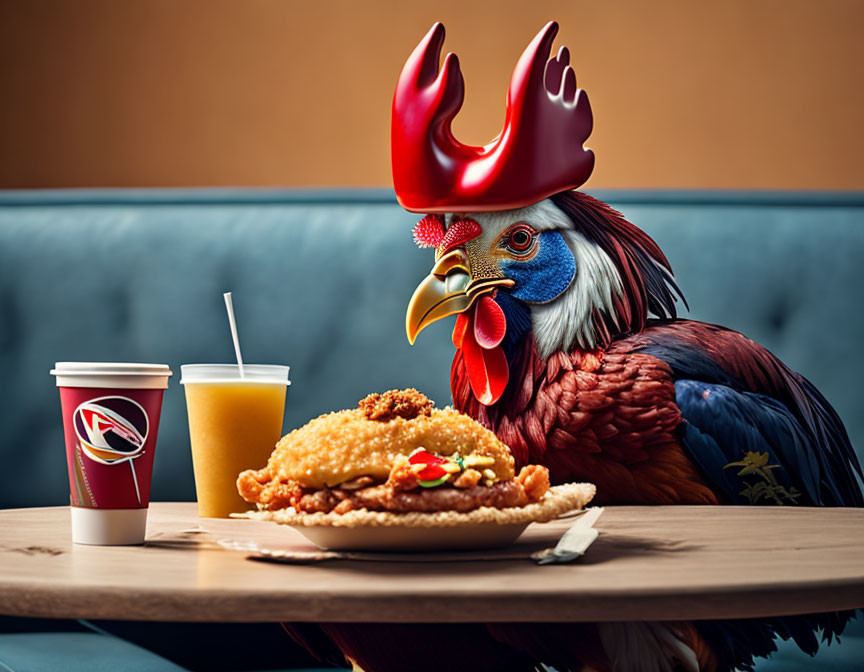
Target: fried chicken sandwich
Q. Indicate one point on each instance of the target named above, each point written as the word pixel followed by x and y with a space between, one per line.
pixel 397 454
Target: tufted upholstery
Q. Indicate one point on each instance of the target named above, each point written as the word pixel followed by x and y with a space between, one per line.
pixel 321 281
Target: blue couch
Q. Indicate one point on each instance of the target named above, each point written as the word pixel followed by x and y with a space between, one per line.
pixel 321 280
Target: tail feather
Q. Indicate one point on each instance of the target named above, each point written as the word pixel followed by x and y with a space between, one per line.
pixel 840 468
pixel 737 643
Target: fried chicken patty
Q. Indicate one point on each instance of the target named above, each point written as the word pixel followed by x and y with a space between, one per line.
pixel 529 486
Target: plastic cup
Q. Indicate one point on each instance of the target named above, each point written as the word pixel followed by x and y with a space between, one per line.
pixel 234 423
pixel 110 420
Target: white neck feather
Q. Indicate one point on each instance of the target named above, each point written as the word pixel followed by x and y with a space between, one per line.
pixel 567 322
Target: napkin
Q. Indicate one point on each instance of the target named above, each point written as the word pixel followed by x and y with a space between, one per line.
pixel 574 542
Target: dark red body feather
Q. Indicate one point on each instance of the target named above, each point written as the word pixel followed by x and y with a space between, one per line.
pixel 605 417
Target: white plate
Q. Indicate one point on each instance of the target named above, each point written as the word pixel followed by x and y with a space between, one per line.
pixel 469 537
pixel 291 543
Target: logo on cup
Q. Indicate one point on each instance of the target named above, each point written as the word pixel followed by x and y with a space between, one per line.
pixel 112 430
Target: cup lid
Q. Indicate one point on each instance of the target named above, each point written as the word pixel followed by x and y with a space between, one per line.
pixel 109 369
pixel 230 373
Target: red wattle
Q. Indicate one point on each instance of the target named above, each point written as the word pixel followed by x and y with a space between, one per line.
pixel 462 324
pixel 488 371
pixel 490 324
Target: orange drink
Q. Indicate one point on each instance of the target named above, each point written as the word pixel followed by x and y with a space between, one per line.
pixel 234 423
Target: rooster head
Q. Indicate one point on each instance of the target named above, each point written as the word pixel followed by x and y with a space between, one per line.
pixel 569 272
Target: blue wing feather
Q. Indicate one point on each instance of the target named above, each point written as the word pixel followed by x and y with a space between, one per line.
pixel 760 402
pixel 723 425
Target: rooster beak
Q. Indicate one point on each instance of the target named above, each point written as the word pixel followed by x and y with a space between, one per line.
pixel 447 290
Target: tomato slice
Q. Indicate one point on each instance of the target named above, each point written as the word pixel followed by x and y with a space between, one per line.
pixel 423 456
pixel 430 473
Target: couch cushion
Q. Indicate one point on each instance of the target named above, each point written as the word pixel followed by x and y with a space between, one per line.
pixel 321 281
pixel 76 651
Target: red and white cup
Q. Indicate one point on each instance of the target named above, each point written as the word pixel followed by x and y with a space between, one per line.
pixel 111 420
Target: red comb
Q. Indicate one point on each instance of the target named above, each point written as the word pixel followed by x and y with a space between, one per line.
pixel 458 233
pixel 429 231
pixel 538 153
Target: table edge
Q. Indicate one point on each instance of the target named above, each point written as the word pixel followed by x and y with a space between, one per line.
pixel 229 605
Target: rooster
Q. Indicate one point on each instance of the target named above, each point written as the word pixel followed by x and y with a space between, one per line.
pixel 568 347
pixel 556 354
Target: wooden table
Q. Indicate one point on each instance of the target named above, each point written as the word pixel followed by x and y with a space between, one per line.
pixel 650 563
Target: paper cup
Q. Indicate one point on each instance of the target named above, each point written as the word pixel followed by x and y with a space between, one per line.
pixel 110 420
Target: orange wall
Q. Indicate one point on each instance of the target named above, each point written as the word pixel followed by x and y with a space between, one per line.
pixel 739 93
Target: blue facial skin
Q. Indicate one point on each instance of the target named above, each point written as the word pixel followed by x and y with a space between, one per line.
pixel 539 280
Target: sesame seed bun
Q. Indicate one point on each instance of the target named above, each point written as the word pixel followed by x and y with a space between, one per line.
pixel 366 441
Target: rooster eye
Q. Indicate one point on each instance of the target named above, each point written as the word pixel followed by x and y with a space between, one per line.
pixel 520 239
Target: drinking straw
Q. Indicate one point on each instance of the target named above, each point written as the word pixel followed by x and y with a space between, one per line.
pixel 229 305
